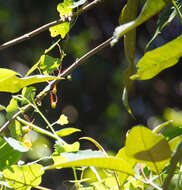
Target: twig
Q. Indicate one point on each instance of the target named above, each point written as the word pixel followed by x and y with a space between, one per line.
pixel 66 72
pixel 148 182
pixel 47 26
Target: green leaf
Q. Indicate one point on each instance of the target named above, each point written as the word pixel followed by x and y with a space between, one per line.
pixel 93 158
pixel 23 177
pixel 63 120
pixel 16 145
pixel 125 101
pixel 59 148
pixel 62 29
pixel 9 82
pixel 28 93
pixel 129 13
pixel 65 8
pixel 155 61
pixel 67 131
pixel 49 64
pixel 165 17
pixel 15 129
pixel 150 8
pixel 12 108
pixel 8 155
pixel 122 154
pixel 173 143
pixel 145 146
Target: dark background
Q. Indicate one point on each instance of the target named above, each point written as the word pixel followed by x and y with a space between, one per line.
pixel 92 100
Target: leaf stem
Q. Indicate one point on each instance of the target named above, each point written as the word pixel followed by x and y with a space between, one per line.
pixel 36 128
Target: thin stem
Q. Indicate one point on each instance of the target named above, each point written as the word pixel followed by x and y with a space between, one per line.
pixel 75 174
pixel 66 72
pixel 46 26
pixel 37 129
pixel 177 9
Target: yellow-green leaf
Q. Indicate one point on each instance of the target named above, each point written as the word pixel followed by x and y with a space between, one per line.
pixel 9 82
pixel 145 146
pixel 93 158
pixel 59 148
pixel 23 177
pixel 150 8
pixel 155 61
pixel 108 163
pixel 60 29
pixel 122 154
pixel 174 142
pixel 129 13
pixel 67 131
pixel 65 8
pixel 63 120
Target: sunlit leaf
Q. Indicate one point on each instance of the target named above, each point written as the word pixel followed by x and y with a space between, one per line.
pixel 12 108
pixel 173 143
pixel 28 93
pixel 150 8
pixel 65 8
pixel 63 120
pixel 174 115
pixel 155 61
pixel 9 82
pixel 15 144
pixel 59 148
pixel 125 102
pixel 15 129
pixel 129 13
pixel 67 131
pixel 93 158
pixel 49 64
pixel 62 29
pixel 23 177
pixel 8 155
pixel 122 154
pixel 145 146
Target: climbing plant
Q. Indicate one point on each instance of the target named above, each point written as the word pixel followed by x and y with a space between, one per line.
pixel 150 159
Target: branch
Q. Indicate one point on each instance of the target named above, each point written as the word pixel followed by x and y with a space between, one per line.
pixel 66 72
pixel 47 26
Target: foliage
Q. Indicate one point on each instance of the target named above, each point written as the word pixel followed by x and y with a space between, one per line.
pixel 149 158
